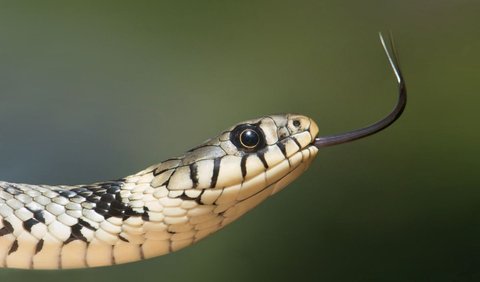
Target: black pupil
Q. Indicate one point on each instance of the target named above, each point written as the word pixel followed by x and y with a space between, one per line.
pixel 249 138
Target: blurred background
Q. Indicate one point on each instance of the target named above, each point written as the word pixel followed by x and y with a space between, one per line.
pixel 96 90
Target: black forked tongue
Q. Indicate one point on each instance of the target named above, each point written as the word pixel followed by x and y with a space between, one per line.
pixel 386 121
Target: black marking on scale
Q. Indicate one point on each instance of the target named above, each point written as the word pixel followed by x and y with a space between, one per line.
pixel 123 238
pixel 128 212
pixel 145 215
pixel 14 247
pixel 194 174
pixel 113 256
pixel 296 142
pixel 66 193
pixel 7 228
pixel 282 148
pixel 216 170
pixel 39 246
pixel 29 223
pixel 243 165
pixel 185 197
pixel 261 156
pixel 85 261
pixel 198 200
pixel 38 215
pixel 86 224
pixel 76 234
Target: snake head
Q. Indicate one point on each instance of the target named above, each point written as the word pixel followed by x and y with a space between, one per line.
pixel 246 158
pixel 216 182
pixel 251 157
pixel 262 148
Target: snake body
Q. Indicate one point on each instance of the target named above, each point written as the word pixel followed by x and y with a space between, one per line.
pixel 161 209
pixel 170 205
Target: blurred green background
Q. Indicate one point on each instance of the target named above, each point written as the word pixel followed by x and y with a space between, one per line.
pixel 96 90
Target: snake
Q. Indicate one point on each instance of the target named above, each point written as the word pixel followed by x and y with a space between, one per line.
pixel 170 205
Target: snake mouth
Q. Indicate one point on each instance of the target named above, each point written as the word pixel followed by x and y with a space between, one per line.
pixel 315 141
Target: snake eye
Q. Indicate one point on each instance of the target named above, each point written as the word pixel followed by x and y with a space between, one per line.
pixel 247 137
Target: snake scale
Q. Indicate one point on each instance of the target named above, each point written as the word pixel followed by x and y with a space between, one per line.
pixel 167 206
